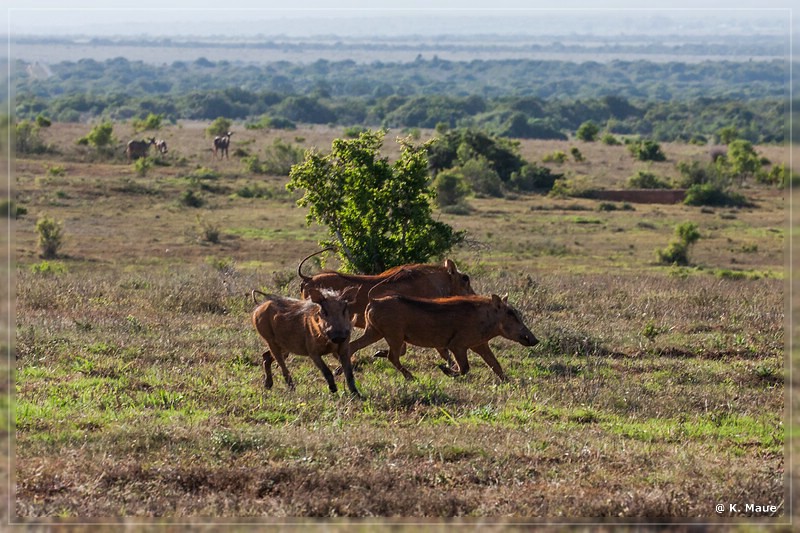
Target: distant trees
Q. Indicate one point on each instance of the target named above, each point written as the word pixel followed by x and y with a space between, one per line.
pixel 508 98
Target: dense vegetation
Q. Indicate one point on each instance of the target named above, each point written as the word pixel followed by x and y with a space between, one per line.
pixel 515 98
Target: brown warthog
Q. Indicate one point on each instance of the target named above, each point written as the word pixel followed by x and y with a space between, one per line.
pixel 456 323
pixel 418 280
pixel 314 327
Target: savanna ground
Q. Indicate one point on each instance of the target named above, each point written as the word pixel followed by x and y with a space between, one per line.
pixel 656 391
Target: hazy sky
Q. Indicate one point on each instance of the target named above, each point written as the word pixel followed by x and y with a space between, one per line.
pixel 269 17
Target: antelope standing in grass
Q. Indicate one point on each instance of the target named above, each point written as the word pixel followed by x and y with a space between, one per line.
pixel 221 143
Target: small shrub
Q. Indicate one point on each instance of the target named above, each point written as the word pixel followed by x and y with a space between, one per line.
pixel 587 131
pixel 50 236
pixel 532 177
pixel 450 188
pixel 647 150
pixel 709 194
pixel 677 252
pixel 151 122
pixel 646 180
pixel 48 268
pixel 27 139
pixel 576 154
pixel 610 140
pixel 220 126
pixel 42 121
pixel 778 175
pixel 280 157
pixel 482 178
pixel 142 165
pixel 9 209
pixel 209 232
pixel 203 173
pixel 191 199
pixel 56 170
pixel 101 136
pixel 557 156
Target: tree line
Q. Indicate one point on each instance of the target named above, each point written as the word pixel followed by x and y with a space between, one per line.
pixel 513 98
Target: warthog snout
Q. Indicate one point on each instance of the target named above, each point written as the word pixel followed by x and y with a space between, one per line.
pixel 529 340
pixel 337 336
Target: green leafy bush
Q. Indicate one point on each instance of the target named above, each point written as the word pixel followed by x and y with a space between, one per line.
pixel 143 165
pixel 610 140
pixel 27 139
pixel 481 177
pixel 647 180
pixel 150 122
pixel 50 236
pixel 677 253
pixel 647 150
pixel 450 188
pixel 587 131
pixel 533 177
pixel 100 137
pixel 711 194
pixel 557 156
pixel 220 126
pixel 378 214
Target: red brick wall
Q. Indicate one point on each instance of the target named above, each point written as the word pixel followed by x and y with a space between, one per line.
pixel 643 196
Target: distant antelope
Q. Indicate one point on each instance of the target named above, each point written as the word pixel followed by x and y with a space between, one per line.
pixel 161 146
pixel 221 143
pixel 137 149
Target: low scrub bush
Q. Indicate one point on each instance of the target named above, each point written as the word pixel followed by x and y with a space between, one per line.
pixel 558 156
pixel 647 180
pixel 532 177
pixel 50 236
pixel 191 199
pixel 150 122
pixel 647 150
pixel 709 194
pixel 677 253
pixel 450 188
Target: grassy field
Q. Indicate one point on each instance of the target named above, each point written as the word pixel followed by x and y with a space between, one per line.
pixel 656 391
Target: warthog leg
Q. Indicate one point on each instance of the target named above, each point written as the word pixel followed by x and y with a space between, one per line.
pixel 461 360
pixel 344 360
pixel 267 357
pixel 396 349
pixel 325 371
pixel 486 353
pixel 281 359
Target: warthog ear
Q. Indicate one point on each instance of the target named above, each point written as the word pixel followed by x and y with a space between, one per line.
pixel 350 294
pixel 500 302
pixel 450 266
pixel 314 295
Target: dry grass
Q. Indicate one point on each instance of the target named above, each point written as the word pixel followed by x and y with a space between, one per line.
pixel 655 391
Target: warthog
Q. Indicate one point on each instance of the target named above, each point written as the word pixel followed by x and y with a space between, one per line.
pixel 137 149
pixel 221 143
pixel 161 146
pixel 420 280
pixel 314 327
pixel 456 323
